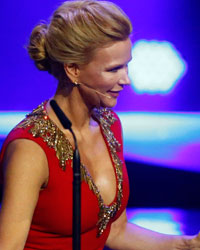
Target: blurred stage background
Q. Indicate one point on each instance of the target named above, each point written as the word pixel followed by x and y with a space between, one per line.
pixel 159 111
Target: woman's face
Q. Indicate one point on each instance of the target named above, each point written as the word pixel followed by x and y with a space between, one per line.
pixel 106 73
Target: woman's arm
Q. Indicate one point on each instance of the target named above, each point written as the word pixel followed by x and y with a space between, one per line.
pixel 25 171
pixel 128 236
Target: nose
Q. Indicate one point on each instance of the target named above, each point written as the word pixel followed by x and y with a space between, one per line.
pixel 124 78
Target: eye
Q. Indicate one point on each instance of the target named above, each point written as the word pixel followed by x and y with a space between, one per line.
pixel 112 70
pixel 115 69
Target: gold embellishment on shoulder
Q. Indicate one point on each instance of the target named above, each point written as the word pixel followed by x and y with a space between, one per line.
pixel 41 126
pixel 106 119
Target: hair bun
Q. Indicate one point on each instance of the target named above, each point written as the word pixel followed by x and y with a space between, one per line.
pixel 36 47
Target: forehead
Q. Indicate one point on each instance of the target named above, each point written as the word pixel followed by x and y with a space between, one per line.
pixel 115 53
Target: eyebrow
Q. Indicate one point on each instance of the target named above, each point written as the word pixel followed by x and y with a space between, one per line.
pixel 115 67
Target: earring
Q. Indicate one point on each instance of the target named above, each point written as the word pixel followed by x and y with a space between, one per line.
pixel 76 83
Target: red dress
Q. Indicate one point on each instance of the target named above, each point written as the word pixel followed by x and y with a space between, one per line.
pixel 51 226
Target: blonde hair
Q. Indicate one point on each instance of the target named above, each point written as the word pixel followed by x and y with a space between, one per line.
pixel 76 29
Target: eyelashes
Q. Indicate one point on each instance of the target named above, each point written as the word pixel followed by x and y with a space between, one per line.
pixel 117 68
pixel 113 70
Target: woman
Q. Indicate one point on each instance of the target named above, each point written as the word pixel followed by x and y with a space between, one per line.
pixel 87 48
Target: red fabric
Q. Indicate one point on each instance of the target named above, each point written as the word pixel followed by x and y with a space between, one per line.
pixel 51 226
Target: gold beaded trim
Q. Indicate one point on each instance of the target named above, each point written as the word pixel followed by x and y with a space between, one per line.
pixel 106 119
pixel 41 126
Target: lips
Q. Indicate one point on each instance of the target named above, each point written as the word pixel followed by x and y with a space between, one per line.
pixel 114 94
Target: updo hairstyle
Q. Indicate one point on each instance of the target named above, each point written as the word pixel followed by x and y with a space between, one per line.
pixel 75 30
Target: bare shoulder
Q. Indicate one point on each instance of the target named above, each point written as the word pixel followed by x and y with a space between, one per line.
pixel 25 172
pixel 24 157
pixel 24 153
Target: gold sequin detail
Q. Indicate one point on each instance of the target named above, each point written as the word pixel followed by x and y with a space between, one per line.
pixel 41 126
pixel 106 119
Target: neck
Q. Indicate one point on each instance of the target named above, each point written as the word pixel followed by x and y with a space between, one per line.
pixel 72 104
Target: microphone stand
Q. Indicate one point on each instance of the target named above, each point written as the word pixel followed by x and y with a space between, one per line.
pixel 76 178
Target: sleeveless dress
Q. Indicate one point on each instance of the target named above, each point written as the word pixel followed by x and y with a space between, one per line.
pixel 51 227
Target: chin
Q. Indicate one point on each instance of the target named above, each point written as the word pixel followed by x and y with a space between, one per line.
pixel 109 104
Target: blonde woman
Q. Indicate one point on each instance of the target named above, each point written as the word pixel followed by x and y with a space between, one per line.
pixel 87 48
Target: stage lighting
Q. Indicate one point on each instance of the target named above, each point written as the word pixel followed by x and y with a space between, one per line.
pixel 160 220
pixel 156 67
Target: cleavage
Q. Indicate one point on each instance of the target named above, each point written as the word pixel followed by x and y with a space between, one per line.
pixel 96 158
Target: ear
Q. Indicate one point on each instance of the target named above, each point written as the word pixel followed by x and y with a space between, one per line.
pixel 72 71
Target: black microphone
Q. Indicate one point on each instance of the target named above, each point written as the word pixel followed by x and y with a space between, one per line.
pixel 61 116
pixel 76 178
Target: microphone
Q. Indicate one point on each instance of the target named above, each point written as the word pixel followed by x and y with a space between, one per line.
pixel 76 227
pixel 98 92
pixel 61 116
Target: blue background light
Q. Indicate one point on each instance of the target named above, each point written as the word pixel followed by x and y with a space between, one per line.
pixel 167 221
pixel 9 120
pixel 164 139
pixel 156 67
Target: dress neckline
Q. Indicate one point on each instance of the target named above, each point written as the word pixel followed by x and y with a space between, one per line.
pixel 41 125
